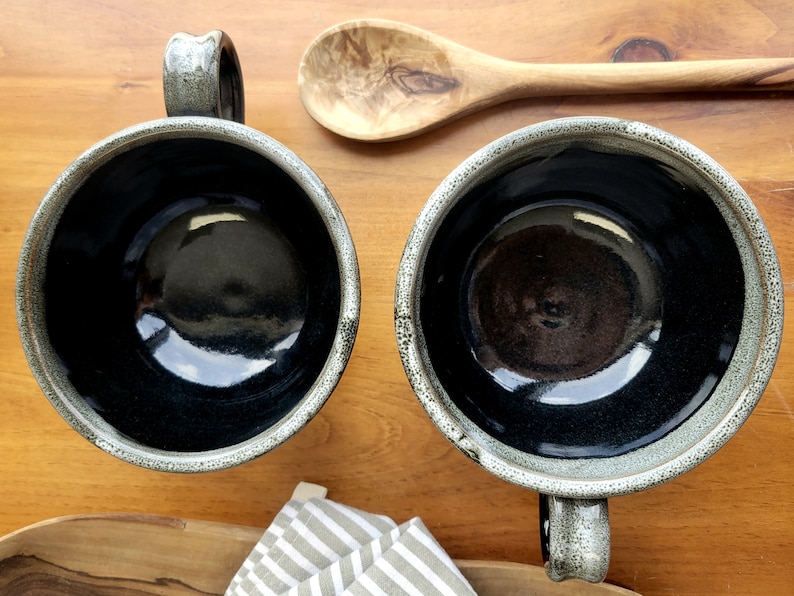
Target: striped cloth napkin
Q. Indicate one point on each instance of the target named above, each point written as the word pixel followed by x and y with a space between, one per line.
pixel 318 547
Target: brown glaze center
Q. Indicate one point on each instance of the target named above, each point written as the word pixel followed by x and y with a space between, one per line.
pixel 548 304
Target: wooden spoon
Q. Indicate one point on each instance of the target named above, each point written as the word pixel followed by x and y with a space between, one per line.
pixel 377 80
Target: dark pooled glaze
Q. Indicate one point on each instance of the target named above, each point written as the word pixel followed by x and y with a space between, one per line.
pixel 192 302
pixel 221 293
pixel 550 297
pixel 582 305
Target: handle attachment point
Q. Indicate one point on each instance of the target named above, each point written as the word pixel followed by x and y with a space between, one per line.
pixel 202 77
pixel 575 538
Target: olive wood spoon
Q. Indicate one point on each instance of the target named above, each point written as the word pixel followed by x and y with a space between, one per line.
pixel 377 80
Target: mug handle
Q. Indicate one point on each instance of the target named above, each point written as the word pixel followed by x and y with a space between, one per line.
pixel 202 77
pixel 574 538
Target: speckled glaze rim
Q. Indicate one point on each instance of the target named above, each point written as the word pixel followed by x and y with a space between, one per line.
pixel 30 296
pixel 735 396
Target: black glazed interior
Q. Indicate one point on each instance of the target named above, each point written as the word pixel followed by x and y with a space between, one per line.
pixel 583 304
pixel 192 293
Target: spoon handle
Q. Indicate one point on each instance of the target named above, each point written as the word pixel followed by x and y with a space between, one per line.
pixel 750 74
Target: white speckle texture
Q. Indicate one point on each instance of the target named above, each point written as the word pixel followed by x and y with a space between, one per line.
pixel 578 538
pixel 30 296
pixel 699 436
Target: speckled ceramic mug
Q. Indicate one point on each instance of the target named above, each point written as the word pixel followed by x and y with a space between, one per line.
pixel 188 291
pixel 588 307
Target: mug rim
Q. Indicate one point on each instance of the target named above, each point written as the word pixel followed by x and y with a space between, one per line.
pixel 31 273
pixel 699 436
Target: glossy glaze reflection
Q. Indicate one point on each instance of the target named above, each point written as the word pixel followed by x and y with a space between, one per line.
pixel 192 293
pixel 221 293
pixel 560 292
pixel 583 304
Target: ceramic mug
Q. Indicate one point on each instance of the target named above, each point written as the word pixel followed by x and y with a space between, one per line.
pixel 588 307
pixel 188 291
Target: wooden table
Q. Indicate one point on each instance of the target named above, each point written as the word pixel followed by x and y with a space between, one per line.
pixel 74 72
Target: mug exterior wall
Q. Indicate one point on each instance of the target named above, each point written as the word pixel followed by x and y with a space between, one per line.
pixel 701 434
pixel 31 300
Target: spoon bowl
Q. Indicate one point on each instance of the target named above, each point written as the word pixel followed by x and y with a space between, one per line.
pixel 379 80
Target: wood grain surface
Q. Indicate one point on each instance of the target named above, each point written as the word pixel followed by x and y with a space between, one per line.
pixel 381 80
pixel 140 555
pixel 73 72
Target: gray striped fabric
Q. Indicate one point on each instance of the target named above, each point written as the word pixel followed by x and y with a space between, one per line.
pixel 319 547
